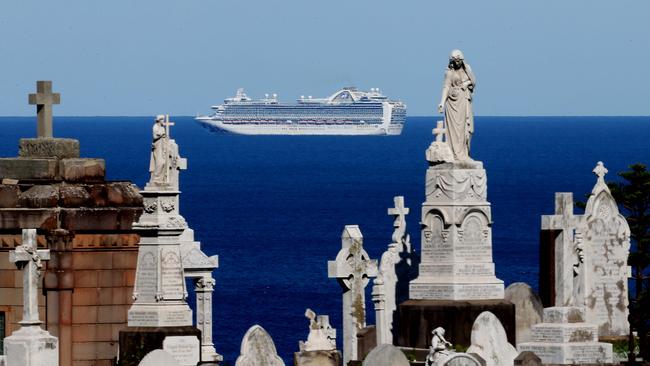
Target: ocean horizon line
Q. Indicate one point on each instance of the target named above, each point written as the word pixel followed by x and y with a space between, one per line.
pixel 409 116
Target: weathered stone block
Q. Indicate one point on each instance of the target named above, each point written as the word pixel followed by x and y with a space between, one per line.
pixel 60 148
pixel 82 170
pixel 9 195
pixel 28 168
pixel 99 218
pixel 137 342
pixel 22 218
pixel 39 196
pixel 123 194
pixel 73 196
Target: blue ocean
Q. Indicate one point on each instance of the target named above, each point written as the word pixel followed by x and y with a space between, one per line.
pixel 273 207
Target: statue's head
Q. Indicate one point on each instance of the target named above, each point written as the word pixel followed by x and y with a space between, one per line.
pixel 160 118
pixel 456 59
pixel 440 331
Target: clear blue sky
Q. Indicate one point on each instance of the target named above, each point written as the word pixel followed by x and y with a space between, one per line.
pixel 143 57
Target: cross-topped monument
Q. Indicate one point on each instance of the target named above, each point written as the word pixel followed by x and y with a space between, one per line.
pixel 44 99
pixel 399 212
pixel 563 225
pixel 439 151
pixel 30 259
pixel 352 268
pixel 30 345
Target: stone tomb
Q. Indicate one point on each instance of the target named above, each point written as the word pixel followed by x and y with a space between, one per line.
pixel 584 259
pixel 86 223
pixel 565 338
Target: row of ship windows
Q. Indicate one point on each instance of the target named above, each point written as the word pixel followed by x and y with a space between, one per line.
pixel 302 122
pixel 319 112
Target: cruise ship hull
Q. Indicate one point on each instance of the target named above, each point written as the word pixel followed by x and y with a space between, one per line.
pixel 301 129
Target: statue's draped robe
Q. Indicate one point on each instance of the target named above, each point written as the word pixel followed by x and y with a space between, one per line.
pixel 459 118
pixel 157 162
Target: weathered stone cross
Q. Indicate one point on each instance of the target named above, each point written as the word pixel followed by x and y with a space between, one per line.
pixel 399 212
pixel 44 98
pixel 28 258
pixel 352 268
pixel 564 223
pixel 439 131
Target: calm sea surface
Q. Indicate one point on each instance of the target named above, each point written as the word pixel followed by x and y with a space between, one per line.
pixel 273 207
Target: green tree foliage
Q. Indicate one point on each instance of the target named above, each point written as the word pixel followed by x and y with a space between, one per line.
pixel 632 194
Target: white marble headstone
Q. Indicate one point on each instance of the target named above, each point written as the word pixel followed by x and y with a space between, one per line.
pixel 257 348
pixel 185 349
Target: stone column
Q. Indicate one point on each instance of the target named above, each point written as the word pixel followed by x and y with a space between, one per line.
pixel 383 331
pixel 203 287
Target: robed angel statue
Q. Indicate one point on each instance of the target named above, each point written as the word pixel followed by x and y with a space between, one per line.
pixel 456 103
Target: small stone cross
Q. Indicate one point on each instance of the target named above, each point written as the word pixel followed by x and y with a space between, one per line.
pixel 28 258
pixel 44 98
pixel 439 131
pixel 352 268
pixel 600 171
pixel 399 212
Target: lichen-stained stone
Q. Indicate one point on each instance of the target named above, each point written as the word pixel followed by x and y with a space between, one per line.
pixel 60 148
pixel 82 170
pixel 99 218
pixel 73 196
pixel 45 219
pixel 9 195
pixel 123 194
pixel 31 168
pixel 528 308
pixel 39 196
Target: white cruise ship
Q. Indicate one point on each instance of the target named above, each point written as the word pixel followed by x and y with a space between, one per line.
pixel 346 112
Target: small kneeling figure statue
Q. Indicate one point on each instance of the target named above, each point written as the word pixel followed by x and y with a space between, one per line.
pixel 438 346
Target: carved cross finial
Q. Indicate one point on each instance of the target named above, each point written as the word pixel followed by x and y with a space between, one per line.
pixel 399 212
pixel 44 99
pixel 600 171
pixel 439 131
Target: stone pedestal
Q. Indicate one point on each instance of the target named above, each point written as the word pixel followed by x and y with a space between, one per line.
pixel 456 257
pixel 31 346
pixel 417 318
pixel 317 358
pixel 564 338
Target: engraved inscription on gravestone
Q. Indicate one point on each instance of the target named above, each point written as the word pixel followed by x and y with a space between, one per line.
pixel 147 277
pixel 172 275
pixel 473 247
pixel 185 349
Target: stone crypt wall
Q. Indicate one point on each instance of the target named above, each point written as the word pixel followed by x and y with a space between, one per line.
pixel 86 222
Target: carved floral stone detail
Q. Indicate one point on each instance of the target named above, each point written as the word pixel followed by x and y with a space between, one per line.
pixel 174 222
pixel 150 207
pixel 167 206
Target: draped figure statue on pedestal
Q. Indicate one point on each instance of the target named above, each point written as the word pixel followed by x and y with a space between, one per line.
pixel 456 102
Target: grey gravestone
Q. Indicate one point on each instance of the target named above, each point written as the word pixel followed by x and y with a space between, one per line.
pixel 158 357
pixel 386 355
pixel 257 349
pixel 528 308
pixel 489 341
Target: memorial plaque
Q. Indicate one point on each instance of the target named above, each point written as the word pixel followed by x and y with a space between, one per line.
pixel 433 243
pixel 146 285
pixel 185 349
pixel 172 275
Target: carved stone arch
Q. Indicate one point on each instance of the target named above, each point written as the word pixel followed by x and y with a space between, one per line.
pixel 433 229
pixel 475 227
pixel 436 212
pixel 478 212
